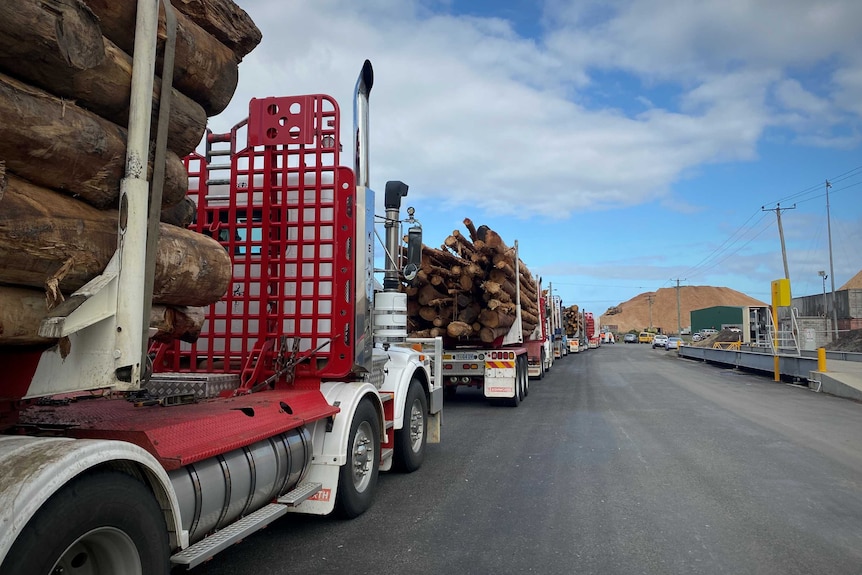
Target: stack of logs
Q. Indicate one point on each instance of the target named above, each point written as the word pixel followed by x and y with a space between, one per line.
pixel 570 320
pixel 466 290
pixel 65 77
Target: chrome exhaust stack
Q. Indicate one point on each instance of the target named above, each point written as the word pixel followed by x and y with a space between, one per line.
pixel 363 245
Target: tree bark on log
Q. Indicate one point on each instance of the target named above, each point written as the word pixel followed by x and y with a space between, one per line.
pixel 458 329
pixel 496 318
pixel 489 334
pixel 58 145
pixel 428 294
pixel 527 317
pixel 229 23
pixel 22 310
pixel 204 69
pixel 49 239
pixel 57 45
pixel 177 322
pixel 181 214
pixel 468 223
pixel 470 313
pixel 439 258
pixel 486 291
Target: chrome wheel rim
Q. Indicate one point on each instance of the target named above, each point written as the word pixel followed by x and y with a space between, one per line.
pixel 102 551
pixel 362 456
pixel 417 429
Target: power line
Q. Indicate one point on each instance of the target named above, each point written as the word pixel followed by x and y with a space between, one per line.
pixel 719 250
pixel 818 187
pixel 814 191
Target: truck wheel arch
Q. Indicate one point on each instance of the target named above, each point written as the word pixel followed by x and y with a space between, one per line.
pixel 44 465
pixel 331 447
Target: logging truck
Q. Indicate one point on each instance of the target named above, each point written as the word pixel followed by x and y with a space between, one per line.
pixel 572 327
pixel 127 454
pixel 501 368
pixel 555 319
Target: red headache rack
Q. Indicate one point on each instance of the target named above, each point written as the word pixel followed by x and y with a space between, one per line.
pixel 284 210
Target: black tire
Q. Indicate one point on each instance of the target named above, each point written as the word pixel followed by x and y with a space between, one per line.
pixel 100 523
pixel 516 400
pixel 525 374
pixel 357 478
pixel 542 364
pixel 411 439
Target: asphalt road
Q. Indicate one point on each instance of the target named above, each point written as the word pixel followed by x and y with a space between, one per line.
pixel 623 460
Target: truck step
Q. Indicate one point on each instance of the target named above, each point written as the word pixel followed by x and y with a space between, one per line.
pixel 204 550
pixel 300 493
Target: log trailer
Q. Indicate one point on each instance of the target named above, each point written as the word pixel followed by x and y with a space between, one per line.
pixel 121 456
pixel 502 368
pixel 591 330
pixel 555 319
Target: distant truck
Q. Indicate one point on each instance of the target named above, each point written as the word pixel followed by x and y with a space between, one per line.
pixel 502 368
pixel 555 319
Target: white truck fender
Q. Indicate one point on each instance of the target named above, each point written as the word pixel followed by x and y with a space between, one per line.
pixel 402 364
pixel 35 468
pixel 330 447
pixel 329 440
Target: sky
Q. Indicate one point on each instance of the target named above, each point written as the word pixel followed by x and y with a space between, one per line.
pixel 627 145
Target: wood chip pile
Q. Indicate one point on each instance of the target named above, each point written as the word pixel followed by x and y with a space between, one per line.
pixel 466 289
pixel 65 78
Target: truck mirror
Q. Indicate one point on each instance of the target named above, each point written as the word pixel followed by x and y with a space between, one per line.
pixel 410 271
pixel 414 252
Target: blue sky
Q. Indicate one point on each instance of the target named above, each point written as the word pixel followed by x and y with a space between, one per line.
pixel 624 143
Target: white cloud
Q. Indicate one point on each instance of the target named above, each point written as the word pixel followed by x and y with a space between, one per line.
pixel 468 112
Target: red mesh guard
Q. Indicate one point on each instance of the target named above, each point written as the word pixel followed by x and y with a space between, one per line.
pixel 285 214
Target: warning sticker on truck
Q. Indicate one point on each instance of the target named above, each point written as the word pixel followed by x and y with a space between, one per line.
pixel 322 495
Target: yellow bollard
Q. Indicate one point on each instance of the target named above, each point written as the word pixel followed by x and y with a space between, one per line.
pixel 777 373
pixel 821 359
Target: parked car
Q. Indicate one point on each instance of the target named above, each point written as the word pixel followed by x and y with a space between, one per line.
pixel 644 337
pixel 659 341
pixel 630 338
pixel 672 343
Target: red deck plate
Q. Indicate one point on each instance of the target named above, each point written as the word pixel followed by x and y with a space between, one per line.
pixel 184 434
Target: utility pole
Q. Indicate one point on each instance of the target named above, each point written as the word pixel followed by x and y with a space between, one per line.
pixel 678 319
pixel 778 209
pixel 831 269
pixel 824 275
pixel 649 299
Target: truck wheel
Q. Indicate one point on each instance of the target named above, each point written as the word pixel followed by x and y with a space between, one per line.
pixel 522 393
pixel 357 478
pixel 542 365
pixel 519 394
pixel 411 439
pixel 523 370
pixel 101 523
